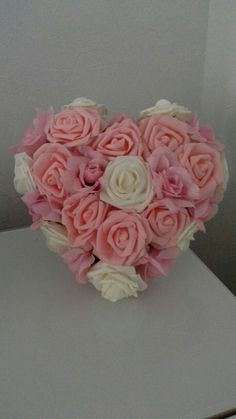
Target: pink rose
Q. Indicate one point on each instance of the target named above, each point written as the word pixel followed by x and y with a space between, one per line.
pixel 204 210
pixel 207 208
pixel 205 167
pixel 156 262
pixel 171 183
pixel 122 238
pixel 175 187
pixel 79 262
pixel 162 158
pixel 166 225
pixel 164 130
pixel 202 133
pixel 49 164
pixel 39 209
pixel 82 215
pixel 84 171
pixel 119 117
pixel 74 126
pixel 122 138
pixel 35 136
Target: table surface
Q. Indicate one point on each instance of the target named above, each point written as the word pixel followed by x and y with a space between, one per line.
pixel 65 353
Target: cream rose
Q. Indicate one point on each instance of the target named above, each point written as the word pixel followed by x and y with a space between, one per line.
pixel 186 236
pixel 116 282
pixel 88 103
pixel 56 236
pixel 23 180
pixel 165 107
pixel 127 183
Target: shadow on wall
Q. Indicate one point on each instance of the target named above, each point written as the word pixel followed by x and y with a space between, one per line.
pixel 215 247
pixel 218 247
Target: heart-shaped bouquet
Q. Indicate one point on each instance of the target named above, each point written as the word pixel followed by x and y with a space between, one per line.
pixel 119 200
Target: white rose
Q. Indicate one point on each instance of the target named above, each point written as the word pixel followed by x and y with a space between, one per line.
pixel 88 103
pixel 186 236
pixel 116 282
pixel 56 236
pixel 23 180
pixel 127 183
pixel 225 172
pixel 165 107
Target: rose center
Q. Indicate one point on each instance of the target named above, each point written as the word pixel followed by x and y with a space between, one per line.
pixel 127 181
pixel 203 170
pixel 121 237
pixel 116 144
pixel 88 214
pixel 174 185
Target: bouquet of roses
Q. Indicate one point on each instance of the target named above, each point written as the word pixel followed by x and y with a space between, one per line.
pixel 119 200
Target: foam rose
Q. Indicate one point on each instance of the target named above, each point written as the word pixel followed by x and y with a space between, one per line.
pixel 156 262
pixel 187 235
pixel 122 238
pixel 116 282
pixel 205 167
pixel 164 130
pixel 74 126
pixel 39 209
pixel 56 236
pixel 35 136
pixel 127 184
pixel 83 172
pixel 122 138
pixel 204 210
pixel 172 183
pixel 162 158
pixel 165 107
pixel 202 133
pixel 166 225
pixel 49 163
pixel 207 208
pixel 88 104
pixel 82 214
pixel 79 263
pixel 23 180
pixel 176 188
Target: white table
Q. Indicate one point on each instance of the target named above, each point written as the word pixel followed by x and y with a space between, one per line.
pixel 68 354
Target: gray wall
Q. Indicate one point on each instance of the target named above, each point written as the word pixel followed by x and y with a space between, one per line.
pixel 124 53
pixel 218 247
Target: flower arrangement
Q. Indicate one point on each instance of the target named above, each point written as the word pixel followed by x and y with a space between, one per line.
pixel 119 200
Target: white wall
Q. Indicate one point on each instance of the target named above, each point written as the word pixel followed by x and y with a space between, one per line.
pixel 218 247
pixel 125 53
